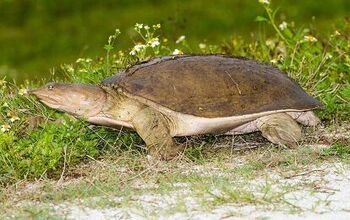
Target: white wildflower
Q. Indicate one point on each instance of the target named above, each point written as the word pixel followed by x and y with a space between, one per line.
pixel 283 25
pixel 132 53
pixel 328 56
pixel 146 27
pixel 202 46
pixel 177 52
pixel 138 26
pixel 82 60
pixel 110 38
pixel 154 42
pixel 13 117
pixel 310 38
pixel 270 43
pixel 79 60
pixel 156 26
pixel 23 91
pixel 265 2
pixel 336 33
pixel 5 128
pixel 137 48
pixel 273 61
pixel 180 39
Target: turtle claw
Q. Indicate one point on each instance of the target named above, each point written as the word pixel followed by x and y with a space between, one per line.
pixel 167 153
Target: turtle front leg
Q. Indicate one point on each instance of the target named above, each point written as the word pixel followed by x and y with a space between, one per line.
pixel 280 128
pixel 152 126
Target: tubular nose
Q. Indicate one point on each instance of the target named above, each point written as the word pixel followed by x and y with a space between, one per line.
pixel 39 93
pixel 34 92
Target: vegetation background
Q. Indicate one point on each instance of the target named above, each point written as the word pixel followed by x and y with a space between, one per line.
pixel 48 158
pixel 38 35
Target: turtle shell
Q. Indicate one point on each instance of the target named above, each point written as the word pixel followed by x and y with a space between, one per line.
pixel 212 86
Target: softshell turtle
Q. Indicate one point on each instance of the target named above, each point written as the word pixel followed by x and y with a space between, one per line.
pixel 190 95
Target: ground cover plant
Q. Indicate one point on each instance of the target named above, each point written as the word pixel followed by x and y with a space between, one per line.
pixel 37 143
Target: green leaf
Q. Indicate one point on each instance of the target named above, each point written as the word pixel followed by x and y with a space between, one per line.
pixel 261 19
pixel 108 47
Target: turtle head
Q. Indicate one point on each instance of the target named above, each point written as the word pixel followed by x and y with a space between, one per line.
pixel 77 99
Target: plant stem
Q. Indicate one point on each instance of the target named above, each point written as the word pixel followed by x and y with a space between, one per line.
pixel 272 20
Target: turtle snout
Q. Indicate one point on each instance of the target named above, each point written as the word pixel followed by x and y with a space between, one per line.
pixel 46 97
pixel 39 93
pixel 33 92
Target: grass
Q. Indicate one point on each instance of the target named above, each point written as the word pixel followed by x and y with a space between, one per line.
pixel 241 178
pixel 341 150
pixel 68 159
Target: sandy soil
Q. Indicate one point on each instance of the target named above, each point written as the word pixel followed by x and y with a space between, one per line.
pixel 329 199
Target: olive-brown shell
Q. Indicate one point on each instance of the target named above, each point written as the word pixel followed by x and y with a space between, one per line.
pixel 213 86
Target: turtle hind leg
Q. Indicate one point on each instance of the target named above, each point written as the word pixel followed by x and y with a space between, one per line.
pixel 152 126
pixel 280 128
pixel 307 118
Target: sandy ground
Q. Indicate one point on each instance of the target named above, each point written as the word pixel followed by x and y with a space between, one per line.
pixel 329 198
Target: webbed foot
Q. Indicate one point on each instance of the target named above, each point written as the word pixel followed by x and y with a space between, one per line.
pixel 280 128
